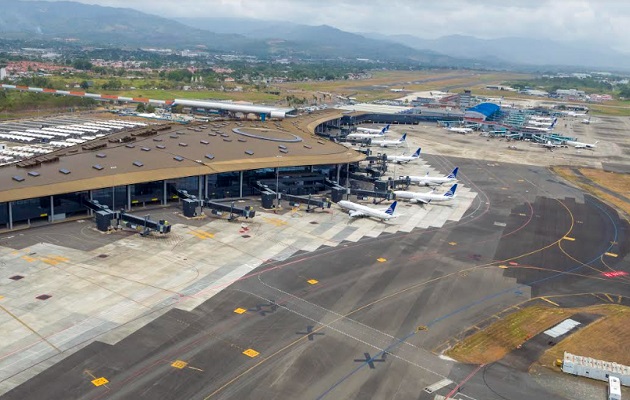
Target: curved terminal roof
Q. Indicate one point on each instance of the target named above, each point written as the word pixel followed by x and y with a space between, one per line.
pixel 274 112
pixel 483 110
pixel 177 152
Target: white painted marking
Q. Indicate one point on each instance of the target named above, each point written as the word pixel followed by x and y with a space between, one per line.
pixel 438 385
pixel 562 328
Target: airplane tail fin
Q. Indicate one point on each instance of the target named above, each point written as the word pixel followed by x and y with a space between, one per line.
pixel 451 191
pixel 453 175
pixel 597 141
pixel 554 122
pixel 417 153
pixel 391 208
pixel 403 138
pixel 386 128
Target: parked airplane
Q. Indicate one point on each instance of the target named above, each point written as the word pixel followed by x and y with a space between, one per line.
pixel 364 135
pixel 549 145
pixel 403 158
pixel 586 121
pixel 575 114
pixel 390 143
pixel 434 180
pixel 358 210
pixel 580 145
pixel 372 130
pixel 426 198
pixel 459 130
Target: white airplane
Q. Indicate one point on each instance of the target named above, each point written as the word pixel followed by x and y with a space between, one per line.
pixel 575 114
pixel 358 210
pixel 363 135
pixel 426 198
pixel 390 143
pixel 549 145
pixel 372 130
pixel 459 130
pixel 434 180
pixel 405 159
pixel 580 145
pixel 586 121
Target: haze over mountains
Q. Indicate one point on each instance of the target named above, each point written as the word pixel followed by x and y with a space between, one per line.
pixel 130 28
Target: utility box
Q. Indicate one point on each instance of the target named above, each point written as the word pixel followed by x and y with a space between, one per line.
pixel 337 194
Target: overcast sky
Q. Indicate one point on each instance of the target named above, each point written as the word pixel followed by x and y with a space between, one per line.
pixel 604 22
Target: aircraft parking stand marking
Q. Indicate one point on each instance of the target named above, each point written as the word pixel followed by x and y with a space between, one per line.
pixel 202 234
pixel 251 353
pixel 99 381
pixel 179 364
pixel 611 254
pixel 570 239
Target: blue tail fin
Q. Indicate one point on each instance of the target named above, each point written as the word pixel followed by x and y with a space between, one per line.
pixel 391 208
pixel 554 122
pixel 403 138
pixel 451 191
pixel 417 153
pixel 453 174
pixel 386 128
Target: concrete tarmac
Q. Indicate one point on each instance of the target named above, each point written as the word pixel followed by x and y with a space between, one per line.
pixel 367 319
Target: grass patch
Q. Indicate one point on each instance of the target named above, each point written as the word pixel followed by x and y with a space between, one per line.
pixel 620 111
pixel 619 183
pixel 605 339
pixel 494 342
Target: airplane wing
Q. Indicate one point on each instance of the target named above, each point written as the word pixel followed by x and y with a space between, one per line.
pixel 355 214
pixel 421 201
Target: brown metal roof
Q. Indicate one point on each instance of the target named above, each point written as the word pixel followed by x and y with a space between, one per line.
pixel 182 152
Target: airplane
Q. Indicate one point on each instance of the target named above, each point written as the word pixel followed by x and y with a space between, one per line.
pixel 426 198
pixel 403 158
pixel 586 121
pixel 390 143
pixel 549 145
pixel 575 114
pixel 459 130
pixel 434 180
pixel 364 135
pixel 358 210
pixel 580 145
pixel 372 130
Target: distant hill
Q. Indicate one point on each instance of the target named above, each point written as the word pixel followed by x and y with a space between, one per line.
pixel 124 27
pixel 321 41
pixel 106 25
pixel 517 51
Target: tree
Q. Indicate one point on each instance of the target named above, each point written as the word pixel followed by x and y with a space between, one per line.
pixel 85 85
pixel 82 64
pixel 150 108
pixel 140 107
pixel 625 91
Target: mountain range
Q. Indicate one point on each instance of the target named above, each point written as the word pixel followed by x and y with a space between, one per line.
pixel 123 27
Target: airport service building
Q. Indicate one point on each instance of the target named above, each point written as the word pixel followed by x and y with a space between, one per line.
pixel 148 165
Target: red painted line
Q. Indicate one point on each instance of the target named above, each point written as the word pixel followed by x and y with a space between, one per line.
pixel 21 87
pixel 459 385
pixel 50 90
pixel 77 93
pixel 109 96
pixel 140 99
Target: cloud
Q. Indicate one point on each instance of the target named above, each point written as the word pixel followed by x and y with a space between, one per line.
pixel 602 22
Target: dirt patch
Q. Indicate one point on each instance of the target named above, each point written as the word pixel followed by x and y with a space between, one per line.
pixel 606 338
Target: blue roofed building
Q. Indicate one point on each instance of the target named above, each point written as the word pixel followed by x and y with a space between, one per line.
pixel 483 112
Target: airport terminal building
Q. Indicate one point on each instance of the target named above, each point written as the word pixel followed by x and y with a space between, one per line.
pixel 147 165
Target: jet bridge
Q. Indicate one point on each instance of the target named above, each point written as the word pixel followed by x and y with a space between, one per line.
pixel 269 195
pixel 191 202
pixel 104 217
